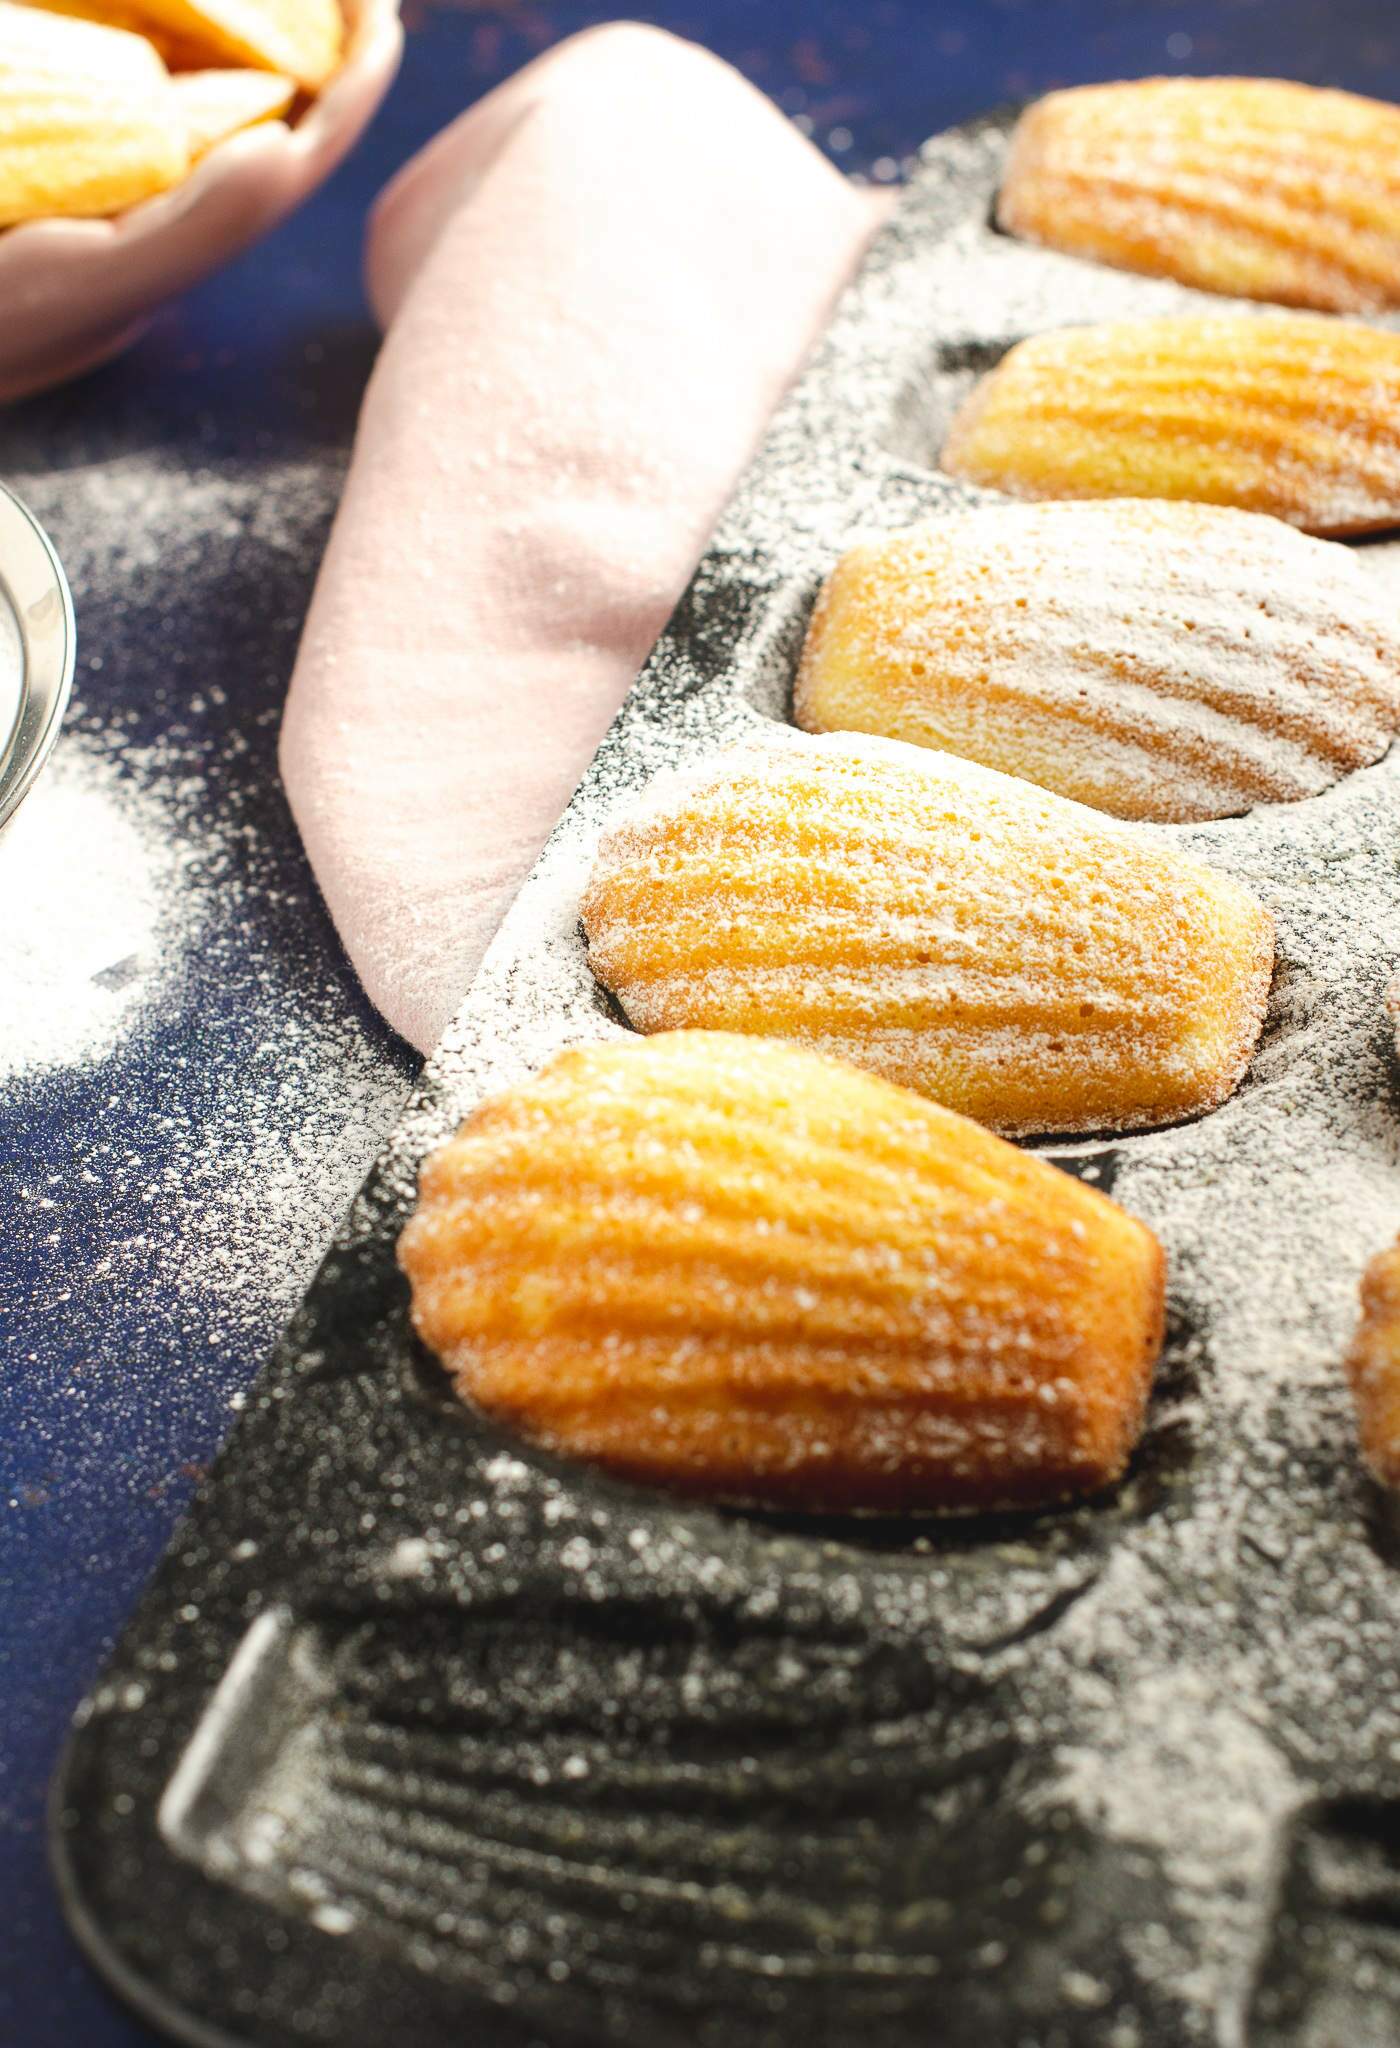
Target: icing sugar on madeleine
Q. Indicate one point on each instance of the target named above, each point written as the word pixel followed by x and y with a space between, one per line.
pixel 1153 659
pixel 997 948
pixel 1285 413
pixel 740 1269
pixel 1254 186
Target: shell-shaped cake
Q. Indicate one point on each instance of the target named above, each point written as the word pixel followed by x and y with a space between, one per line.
pixel 1252 186
pixel 745 1271
pixel 1005 952
pixel 1153 659
pixel 86 121
pixel 1373 1366
pixel 304 39
pixel 214 104
pixel 1287 413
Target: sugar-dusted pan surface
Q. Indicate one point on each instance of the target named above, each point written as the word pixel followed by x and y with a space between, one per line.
pixel 420 1736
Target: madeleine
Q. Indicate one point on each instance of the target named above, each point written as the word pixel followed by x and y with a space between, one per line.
pixel 1252 186
pixel 1000 950
pixel 1284 413
pixel 1155 660
pixel 745 1271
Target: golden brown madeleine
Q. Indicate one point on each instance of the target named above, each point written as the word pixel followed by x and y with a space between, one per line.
pixel 1012 955
pixel 1286 413
pixel 742 1270
pixel 1373 1366
pixel 216 104
pixel 126 14
pixel 1252 186
pixel 86 126
pixel 303 38
pixel 1156 660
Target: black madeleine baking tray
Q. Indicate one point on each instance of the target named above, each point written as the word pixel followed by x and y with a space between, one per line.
pixel 420 1737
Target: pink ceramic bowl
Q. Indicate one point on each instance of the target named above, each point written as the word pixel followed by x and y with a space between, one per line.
pixel 74 292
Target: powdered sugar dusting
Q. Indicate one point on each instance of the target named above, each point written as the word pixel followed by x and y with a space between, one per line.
pixel 145 905
pixel 1190 1773
pixel 809 1273
pixel 1255 185
pixel 84 868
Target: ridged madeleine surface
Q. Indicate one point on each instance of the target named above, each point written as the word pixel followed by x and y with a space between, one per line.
pixel 1285 413
pixel 1373 1367
pixel 86 126
pixel 745 1271
pixel 1012 955
pixel 1155 660
pixel 1252 186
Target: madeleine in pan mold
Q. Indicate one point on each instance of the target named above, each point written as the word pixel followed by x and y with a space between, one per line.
pixel 1012 955
pixel 1251 186
pixel 744 1271
pixel 1155 660
pixel 1286 413
pixel 1373 1367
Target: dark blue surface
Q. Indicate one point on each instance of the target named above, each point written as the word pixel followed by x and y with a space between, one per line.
pixel 117 1379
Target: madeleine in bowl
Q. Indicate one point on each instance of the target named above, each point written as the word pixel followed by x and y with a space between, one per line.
pixel 145 142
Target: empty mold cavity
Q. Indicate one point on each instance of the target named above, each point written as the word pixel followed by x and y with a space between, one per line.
pixel 699 1812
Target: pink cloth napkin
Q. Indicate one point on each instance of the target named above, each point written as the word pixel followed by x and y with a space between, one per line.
pixel 596 285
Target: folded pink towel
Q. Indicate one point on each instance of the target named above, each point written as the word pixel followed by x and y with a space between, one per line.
pixel 596 285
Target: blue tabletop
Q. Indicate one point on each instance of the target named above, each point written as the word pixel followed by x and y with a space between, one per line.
pixel 191 1083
